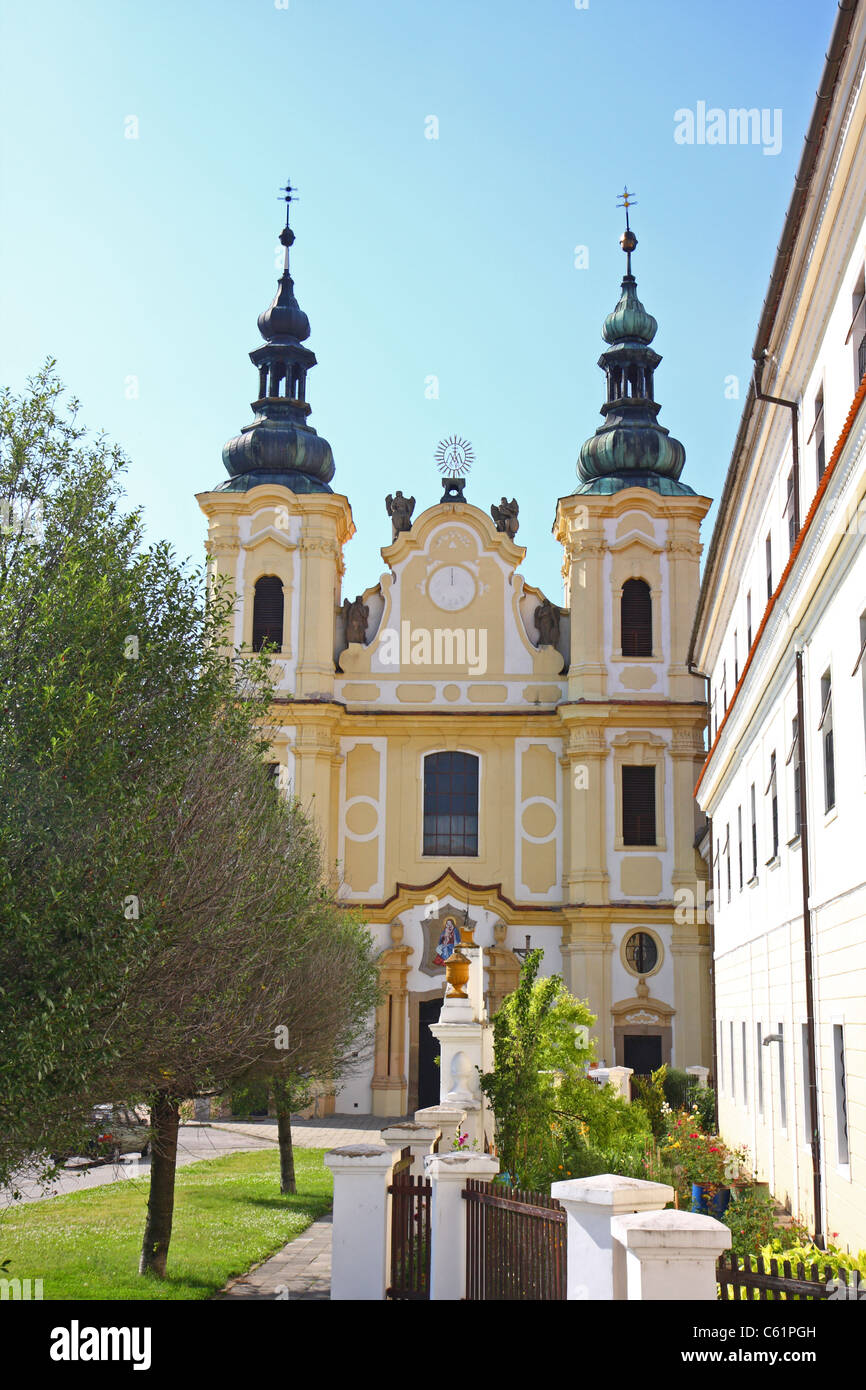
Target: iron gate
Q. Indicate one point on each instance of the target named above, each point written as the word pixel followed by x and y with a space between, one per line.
pixel 515 1244
pixel 410 1232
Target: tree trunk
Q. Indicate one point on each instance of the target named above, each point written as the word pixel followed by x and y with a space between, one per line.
pixel 165 1118
pixel 283 1105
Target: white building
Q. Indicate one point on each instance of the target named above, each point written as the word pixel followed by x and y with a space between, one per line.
pixel 783 605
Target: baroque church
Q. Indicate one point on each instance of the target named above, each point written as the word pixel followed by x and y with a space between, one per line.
pixel 475 752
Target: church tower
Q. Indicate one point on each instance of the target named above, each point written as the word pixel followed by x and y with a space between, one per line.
pixel 276 531
pixel 636 941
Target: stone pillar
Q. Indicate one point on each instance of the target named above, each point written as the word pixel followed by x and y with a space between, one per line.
pixel 702 1075
pixel 597 1269
pixel 361 1250
pixel 671 1255
pixel 445 1119
pixel 390 1084
pixel 419 1138
pixel 448 1174
pixel 620 1079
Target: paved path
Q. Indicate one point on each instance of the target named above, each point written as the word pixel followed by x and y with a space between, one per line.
pixel 332 1132
pixel 302 1269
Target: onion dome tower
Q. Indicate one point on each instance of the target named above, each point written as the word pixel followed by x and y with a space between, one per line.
pixel 280 446
pixel 631 449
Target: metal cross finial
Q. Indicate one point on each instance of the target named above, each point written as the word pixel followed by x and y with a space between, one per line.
pixel 628 240
pixel 288 195
pixel 626 200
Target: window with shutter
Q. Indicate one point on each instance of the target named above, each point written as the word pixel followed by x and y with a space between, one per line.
pixel 638 805
pixel 268 612
pixel 637 618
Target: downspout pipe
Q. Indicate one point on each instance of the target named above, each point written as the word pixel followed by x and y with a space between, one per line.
pixel 811 1065
pixel 760 363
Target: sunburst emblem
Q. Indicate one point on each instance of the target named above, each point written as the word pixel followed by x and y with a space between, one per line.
pixel 454 456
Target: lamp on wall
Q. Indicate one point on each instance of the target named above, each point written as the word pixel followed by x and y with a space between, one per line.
pixel 522 951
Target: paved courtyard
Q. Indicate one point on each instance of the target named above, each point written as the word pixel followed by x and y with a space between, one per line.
pixel 330 1132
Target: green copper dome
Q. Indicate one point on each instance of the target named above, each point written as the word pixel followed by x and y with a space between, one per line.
pixel 631 449
pixel 629 321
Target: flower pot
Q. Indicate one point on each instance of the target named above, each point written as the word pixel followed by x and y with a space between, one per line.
pixel 709 1201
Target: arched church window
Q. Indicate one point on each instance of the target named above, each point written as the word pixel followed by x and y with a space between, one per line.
pixel 451 803
pixel 268 612
pixel 637 618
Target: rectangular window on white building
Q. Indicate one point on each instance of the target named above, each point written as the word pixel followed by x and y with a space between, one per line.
pixel 793 759
pixel 860 664
pixel 783 1091
pixel 818 436
pixel 745 1067
pixel 825 728
pixel 721 1058
pixel 840 1089
pixel 731 1061
pixel 791 511
pixel 773 793
pixel 754 832
pixel 736 661
pixel 857 331
pixel 808 1117
pixel 759 1067
pixel 740 844
pixel 749 621
pixel 768 546
pixel 728 858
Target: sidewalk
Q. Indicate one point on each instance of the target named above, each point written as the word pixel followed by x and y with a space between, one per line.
pixel 301 1270
pixel 330 1132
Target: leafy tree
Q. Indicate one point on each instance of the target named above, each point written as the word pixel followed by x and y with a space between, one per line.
pixel 110 674
pixel 536 1047
pixel 165 924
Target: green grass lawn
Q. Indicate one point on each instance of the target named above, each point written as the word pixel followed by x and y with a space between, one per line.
pixel 228 1215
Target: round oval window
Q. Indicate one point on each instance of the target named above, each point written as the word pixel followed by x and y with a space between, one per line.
pixel 641 952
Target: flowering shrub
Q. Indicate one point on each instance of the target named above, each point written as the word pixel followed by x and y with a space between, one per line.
pixel 704 1158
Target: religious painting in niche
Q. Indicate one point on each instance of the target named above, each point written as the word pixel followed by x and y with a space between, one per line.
pixel 444 927
pixel 448 941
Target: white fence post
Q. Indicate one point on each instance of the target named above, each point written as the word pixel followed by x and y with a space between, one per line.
pixel 448 1173
pixel 595 1268
pixel 671 1255
pixel 419 1138
pixel 447 1119
pixel 361 1249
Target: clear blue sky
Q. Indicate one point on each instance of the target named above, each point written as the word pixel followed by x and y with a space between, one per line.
pixel 152 257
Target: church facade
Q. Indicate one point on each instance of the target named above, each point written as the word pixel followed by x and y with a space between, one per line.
pixel 471 749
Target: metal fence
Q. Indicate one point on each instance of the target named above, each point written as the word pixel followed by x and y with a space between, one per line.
pixel 515 1244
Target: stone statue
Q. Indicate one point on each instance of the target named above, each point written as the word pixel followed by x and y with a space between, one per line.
pixel 546 618
pixel 355 615
pixel 399 509
pixel 505 516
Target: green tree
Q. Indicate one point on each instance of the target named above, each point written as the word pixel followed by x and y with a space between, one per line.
pixel 110 675
pixel 537 1047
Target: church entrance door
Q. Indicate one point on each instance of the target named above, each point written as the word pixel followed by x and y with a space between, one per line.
pixel 642 1054
pixel 428 1052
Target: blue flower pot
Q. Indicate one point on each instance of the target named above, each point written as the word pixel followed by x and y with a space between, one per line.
pixel 706 1205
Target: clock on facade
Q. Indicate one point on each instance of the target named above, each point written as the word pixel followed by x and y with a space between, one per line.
pixel 451 587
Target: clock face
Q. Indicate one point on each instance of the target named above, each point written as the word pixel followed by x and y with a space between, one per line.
pixel 451 588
